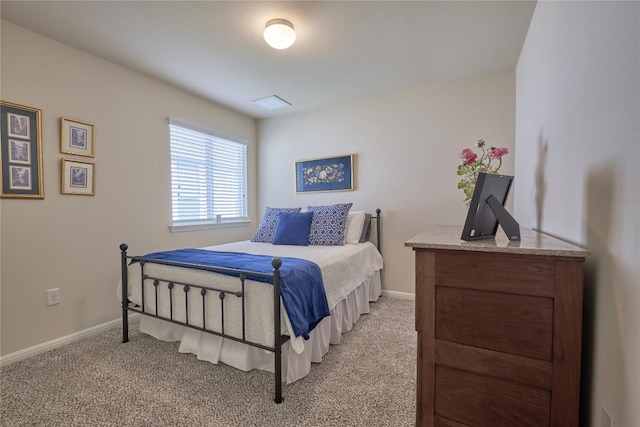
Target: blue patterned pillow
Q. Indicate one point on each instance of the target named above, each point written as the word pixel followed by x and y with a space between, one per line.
pixel 329 223
pixel 267 228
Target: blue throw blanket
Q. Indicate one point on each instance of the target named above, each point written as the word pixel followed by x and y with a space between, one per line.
pixel 301 284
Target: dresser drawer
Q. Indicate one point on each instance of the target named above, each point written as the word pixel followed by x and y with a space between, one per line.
pixel 504 273
pixel 478 401
pixel 514 324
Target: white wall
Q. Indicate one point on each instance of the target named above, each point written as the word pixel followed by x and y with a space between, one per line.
pixel 70 241
pixel 578 143
pixel 406 145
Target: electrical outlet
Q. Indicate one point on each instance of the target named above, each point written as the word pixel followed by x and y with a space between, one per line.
pixel 606 420
pixel 53 296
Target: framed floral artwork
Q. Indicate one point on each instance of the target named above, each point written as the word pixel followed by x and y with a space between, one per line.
pixel 78 177
pixel 20 152
pixel 77 137
pixel 325 174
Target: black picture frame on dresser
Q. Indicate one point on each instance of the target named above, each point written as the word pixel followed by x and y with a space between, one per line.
pixel 487 211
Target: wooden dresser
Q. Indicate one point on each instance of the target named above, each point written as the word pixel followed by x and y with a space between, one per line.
pixel 499 330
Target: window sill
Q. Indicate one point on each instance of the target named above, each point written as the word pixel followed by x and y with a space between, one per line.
pixel 207 225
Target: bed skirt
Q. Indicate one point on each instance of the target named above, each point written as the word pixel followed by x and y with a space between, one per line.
pixel 294 365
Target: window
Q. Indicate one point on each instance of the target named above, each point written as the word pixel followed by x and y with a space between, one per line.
pixel 208 177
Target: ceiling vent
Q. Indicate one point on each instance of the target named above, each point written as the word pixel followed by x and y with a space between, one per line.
pixel 271 102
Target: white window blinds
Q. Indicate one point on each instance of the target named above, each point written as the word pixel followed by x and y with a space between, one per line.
pixel 208 176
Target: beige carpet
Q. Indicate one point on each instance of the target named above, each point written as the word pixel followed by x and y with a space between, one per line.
pixel 367 380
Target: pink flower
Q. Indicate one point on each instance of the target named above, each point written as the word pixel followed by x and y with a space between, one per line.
pixel 480 143
pixel 470 159
pixel 496 153
pixel 465 153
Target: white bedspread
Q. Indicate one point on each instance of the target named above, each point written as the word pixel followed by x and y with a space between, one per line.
pixel 343 268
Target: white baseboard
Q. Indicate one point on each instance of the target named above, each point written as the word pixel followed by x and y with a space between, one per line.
pixel 59 342
pixel 396 294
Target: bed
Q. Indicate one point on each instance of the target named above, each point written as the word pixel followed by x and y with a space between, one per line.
pixel 220 302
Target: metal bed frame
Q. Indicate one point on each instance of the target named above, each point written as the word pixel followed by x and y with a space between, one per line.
pixel 273 277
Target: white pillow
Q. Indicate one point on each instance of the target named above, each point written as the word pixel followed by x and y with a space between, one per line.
pixel 355 222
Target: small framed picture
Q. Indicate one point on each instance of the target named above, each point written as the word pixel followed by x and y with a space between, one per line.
pixel 78 177
pixel 20 152
pixel 77 137
pixel 19 177
pixel 18 126
pixel 325 174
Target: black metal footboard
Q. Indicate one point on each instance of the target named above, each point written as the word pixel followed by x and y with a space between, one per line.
pixel 157 282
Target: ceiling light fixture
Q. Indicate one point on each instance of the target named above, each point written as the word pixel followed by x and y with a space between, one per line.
pixel 279 33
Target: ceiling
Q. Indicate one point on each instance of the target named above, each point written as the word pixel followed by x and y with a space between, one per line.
pixel 345 50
